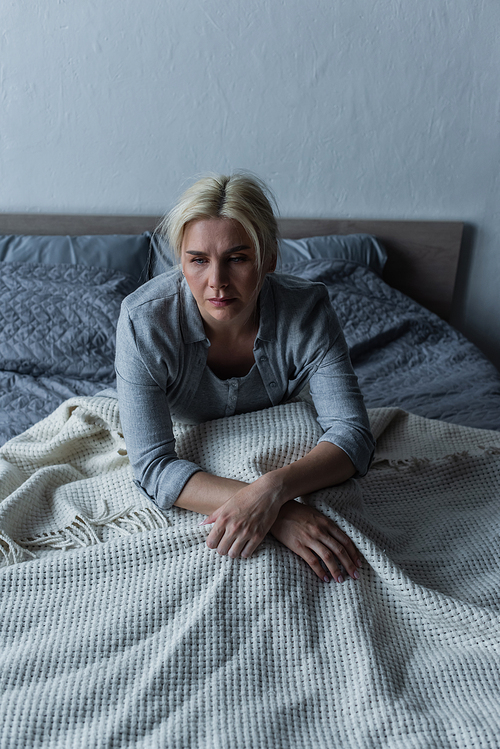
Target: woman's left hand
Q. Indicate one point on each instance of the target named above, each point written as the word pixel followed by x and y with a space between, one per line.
pixel 317 539
pixel 241 523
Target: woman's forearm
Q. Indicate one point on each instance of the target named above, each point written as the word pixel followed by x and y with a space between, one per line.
pixel 205 493
pixel 325 465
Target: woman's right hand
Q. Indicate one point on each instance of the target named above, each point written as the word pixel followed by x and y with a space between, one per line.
pixel 315 538
pixel 240 524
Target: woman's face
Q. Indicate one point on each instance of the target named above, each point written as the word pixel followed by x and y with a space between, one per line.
pixel 219 264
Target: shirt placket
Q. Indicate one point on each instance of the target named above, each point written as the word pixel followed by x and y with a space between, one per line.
pixel 268 376
pixel 232 396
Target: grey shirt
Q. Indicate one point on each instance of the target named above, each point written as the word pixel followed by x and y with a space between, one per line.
pixel 162 374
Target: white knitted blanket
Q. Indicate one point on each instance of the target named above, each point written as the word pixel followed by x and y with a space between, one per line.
pixel 120 628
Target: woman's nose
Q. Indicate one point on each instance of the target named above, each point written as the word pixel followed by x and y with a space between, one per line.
pixel 218 277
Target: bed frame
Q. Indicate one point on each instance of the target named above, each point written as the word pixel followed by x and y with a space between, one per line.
pixel 422 255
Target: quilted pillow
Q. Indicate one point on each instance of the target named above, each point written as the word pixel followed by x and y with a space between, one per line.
pixel 60 319
pixel 127 253
pixel 363 249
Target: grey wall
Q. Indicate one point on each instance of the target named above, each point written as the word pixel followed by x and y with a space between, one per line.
pixel 382 109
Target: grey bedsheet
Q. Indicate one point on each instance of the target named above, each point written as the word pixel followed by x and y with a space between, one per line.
pixel 405 355
pixel 57 337
pixel 57 334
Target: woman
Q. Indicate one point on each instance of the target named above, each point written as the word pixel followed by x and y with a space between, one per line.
pixel 225 335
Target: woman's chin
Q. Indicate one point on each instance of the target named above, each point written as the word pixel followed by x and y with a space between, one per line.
pixel 232 313
pixel 223 315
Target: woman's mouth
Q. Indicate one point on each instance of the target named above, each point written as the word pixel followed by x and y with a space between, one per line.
pixel 221 301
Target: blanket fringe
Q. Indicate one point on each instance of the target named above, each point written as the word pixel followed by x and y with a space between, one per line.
pixel 401 463
pixel 84 531
pixel 11 552
pixel 492 450
pixel 417 462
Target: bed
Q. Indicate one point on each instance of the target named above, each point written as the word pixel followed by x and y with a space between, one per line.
pixel 119 626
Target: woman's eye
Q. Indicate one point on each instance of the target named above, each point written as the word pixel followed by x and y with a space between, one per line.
pixel 233 259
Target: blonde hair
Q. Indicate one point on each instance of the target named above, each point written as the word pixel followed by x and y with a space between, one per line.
pixel 241 197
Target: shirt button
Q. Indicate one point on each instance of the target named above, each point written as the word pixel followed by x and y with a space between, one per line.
pixel 273 384
pixel 263 358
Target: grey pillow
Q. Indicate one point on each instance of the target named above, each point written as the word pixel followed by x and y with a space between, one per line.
pixel 359 248
pixel 127 253
pixel 60 320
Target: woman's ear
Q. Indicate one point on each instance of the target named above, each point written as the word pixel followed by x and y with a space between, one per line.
pixel 272 265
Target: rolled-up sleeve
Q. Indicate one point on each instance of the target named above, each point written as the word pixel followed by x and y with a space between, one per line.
pixel 338 400
pixel 147 424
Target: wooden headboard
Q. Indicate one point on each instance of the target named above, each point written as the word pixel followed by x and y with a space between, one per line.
pixel 422 255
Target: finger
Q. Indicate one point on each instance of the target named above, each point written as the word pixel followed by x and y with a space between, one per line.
pixel 330 561
pixel 225 544
pixel 331 552
pixel 225 533
pixel 239 543
pixel 215 536
pixel 251 545
pixel 242 545
pixel 237 547
pixel 345 543
pixel 315 564
pixel 350 548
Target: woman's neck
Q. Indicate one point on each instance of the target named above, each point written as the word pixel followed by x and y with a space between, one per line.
pixel 233 331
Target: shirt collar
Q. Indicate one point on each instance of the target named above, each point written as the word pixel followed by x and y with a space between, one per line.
pixel 192 324
pixel 190 319
pixel 267 312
